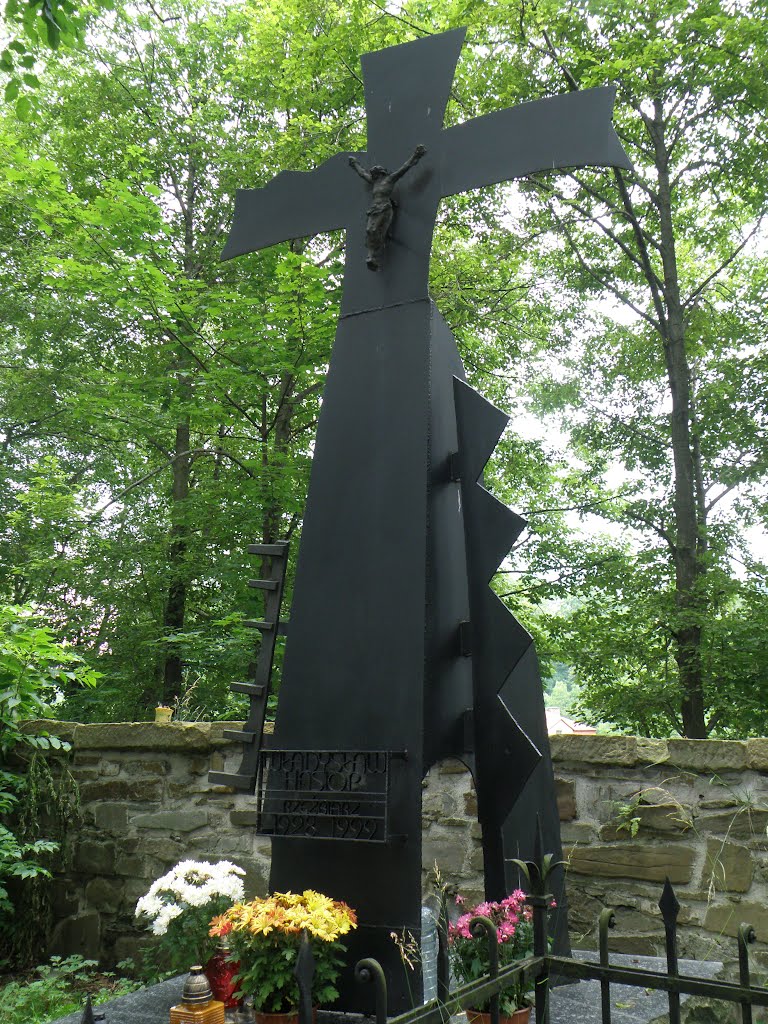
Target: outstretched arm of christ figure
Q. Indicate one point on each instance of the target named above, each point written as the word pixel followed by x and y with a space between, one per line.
pixel 412 160
pixel 357 166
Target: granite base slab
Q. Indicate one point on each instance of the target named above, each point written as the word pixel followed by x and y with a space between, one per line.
pixel 580 1003
pixel 571 1004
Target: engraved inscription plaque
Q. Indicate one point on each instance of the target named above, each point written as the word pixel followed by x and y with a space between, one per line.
pixel 324 794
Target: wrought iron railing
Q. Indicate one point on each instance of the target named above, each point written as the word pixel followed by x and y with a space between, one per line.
pixel 542 966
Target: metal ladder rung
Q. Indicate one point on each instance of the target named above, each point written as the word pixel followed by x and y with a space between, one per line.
pixel 238 736
pixel 231 779
pixel 253 689
pixel 267 549
pixel 263 584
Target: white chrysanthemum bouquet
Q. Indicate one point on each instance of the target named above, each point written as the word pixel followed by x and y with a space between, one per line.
pixel 180 905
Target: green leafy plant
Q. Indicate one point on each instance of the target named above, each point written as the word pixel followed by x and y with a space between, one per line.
pixel 34 670
pixel 265 936
pixel 57 988
pixel 181 904
pixel 627 819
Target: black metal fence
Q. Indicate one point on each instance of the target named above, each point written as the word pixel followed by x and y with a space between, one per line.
pixel 536 972
pixel 542 966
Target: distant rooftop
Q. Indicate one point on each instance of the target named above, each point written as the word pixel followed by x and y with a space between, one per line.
pixel 558 723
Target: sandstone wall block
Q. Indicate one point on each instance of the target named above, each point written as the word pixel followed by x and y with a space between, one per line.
pixel 166 850
pixel 104 894
pixel 743 822
pixel 636 860
pixel 708 755
pixel 654 818
pixel 133 890
pixel 566 799
pixel 134 790
pixel 111 817
pixel 151 768
pixel 603 750
pixel 442 850
pixel 725 918
pixel 133 865
pixel 246 818
pixel 728 866
pixel 51 727
pixel 757 754
pixel 577 832
pixel 144 736
pixel 173 821
pixel 652 752
pixel 95 858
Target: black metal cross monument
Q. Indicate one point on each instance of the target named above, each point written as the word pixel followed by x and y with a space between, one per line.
pixel 399 655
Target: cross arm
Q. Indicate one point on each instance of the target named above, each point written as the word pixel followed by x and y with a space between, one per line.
pixel 293 205
pixel 572 130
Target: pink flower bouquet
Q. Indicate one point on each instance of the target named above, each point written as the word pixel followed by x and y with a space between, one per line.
pixel 514 933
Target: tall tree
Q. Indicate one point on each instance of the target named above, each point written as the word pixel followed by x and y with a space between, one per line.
pixel 162 393
pixel 652 384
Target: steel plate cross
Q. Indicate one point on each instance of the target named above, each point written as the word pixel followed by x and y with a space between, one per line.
pixel 396 644
pixel 406 93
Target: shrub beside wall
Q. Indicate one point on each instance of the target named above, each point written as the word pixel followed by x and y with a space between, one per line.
pixel 633 811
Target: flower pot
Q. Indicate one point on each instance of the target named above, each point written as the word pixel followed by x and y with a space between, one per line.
pixel 521 1016
pixel 281 1018
pixel 220 972
pixel 163 715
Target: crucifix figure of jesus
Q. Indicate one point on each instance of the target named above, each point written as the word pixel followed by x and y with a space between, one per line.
pixel 399 655
pixel 381 212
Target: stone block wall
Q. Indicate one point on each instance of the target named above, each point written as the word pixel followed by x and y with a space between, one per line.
pixel 633 812
pixel 146 805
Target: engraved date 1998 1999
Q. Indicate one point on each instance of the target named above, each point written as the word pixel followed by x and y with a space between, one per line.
pixel 317 827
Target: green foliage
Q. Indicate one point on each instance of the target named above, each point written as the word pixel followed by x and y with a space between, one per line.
pixel 650 379
pixel 56 989
pixel 186 940
pixel 34 670
pixel 20 860
pixel 267 965
pixel 627 819
pixel 158 408
pixel 38 28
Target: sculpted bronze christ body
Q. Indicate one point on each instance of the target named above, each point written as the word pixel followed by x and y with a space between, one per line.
pixel 381 212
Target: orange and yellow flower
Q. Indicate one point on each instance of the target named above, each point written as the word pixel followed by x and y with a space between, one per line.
pixel 289 913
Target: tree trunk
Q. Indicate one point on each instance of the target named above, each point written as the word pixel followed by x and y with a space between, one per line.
pixel 280 431
pixel 176 602
pixel 689 568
